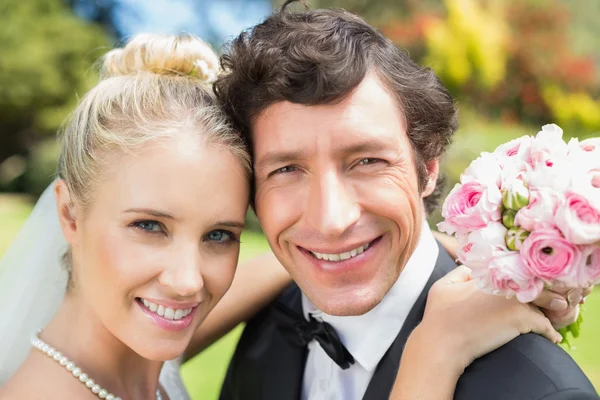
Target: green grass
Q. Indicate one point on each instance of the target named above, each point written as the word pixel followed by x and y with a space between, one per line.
pixel 203 374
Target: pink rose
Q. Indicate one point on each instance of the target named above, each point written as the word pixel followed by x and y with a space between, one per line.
pixel 484 168
pixel 556 176
pixel 508 275
pixel 547 146
pixel 594 175
pixel 511 172
pixel 591 145
pixel 470 206
pixel 549 256
pixel 516 148
pixel 585 178
pixel 578 220
pixel 590 274
pixel 540 211
pixel 477 248
pixel 513 156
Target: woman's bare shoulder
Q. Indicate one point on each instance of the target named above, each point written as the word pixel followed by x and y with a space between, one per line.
pixel 40 378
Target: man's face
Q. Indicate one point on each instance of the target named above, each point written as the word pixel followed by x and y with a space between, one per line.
pixel 337 195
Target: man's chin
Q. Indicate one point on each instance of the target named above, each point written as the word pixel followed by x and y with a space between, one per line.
pixel 344 303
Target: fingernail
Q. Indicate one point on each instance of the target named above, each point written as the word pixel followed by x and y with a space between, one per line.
pixel 575 296
pixel 558 305
pixel 559 338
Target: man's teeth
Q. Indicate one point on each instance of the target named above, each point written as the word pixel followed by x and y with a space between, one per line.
pixel 166 312
pixel 341 256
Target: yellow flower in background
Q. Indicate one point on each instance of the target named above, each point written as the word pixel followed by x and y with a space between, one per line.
pixel 471 43
pixel 573 108
pixel 447 54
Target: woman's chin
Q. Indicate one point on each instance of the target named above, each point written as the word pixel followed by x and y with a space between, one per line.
pixel 164 351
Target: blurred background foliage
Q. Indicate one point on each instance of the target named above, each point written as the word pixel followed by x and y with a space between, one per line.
pixel 512 65
pixel 46 53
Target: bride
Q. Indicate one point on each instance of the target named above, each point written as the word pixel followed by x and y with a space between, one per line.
pixel 151 195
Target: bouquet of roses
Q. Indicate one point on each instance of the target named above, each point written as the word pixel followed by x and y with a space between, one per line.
pixel 527 216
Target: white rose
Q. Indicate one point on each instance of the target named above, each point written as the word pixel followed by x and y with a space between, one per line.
pixel 484 169
pixel 478 247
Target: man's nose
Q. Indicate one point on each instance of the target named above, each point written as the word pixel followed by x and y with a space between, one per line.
pixel 332 207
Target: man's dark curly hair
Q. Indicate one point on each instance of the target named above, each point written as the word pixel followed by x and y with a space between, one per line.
pixel 315 57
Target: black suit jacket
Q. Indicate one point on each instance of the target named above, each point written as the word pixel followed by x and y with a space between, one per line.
pixel 266 367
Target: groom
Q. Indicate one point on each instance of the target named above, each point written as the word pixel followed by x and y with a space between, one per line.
pixel 346 133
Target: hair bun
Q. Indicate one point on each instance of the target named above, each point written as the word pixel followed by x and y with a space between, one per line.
pixel 177 55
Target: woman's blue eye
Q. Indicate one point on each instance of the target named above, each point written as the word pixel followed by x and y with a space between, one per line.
pixel 149 226
pixel 220 236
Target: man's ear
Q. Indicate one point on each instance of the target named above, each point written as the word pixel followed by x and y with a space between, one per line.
pixel 433 171
pixel 66 211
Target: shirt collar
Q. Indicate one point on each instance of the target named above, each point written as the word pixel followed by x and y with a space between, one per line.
pixel 368 346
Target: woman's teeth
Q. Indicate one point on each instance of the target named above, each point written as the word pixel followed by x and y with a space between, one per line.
pixel 341 256
pixel 166 312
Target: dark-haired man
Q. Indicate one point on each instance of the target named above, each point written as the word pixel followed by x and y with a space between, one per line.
pixel 346 133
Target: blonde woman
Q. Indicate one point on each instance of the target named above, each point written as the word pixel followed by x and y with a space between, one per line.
pixel 152 191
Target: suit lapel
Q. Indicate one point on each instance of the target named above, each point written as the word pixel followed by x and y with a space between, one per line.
pixel 283 363
pixel 384 377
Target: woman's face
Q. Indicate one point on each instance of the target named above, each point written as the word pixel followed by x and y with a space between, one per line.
pixel 157 247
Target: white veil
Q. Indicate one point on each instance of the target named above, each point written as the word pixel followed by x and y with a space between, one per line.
pixel 32 282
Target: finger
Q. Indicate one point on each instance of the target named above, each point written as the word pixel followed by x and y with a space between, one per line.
pixel 457 275
pixel 586 293
pixel 449 243
pixel 551 301
pixel 574 296
pixel 541 325
pixel 560 319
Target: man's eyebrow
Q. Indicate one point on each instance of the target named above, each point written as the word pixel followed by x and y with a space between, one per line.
pixel 364 147
pixel 279 158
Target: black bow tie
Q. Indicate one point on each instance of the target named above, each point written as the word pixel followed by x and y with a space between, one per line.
pixel 300 332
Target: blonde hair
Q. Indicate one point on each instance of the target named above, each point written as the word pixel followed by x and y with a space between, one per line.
pixel 154 87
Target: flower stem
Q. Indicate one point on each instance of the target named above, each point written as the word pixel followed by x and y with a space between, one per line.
pixel 573 330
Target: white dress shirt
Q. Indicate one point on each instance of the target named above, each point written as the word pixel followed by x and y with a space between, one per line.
pixel 367 337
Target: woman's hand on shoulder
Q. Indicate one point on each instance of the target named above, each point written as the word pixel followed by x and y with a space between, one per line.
pixel 460 323
pixel 475 323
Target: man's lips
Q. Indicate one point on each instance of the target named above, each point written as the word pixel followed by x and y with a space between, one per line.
pixel 342 255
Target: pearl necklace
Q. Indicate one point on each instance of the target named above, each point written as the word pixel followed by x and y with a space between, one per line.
pixel 76 371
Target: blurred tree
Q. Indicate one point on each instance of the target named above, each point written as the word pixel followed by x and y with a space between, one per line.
pixel 46 57
pixel 376 11
pixel 550 81
pixel 532 61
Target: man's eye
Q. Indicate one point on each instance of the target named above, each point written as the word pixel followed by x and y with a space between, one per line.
pixel 284 170
pixel 148 226
pixel 369 161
